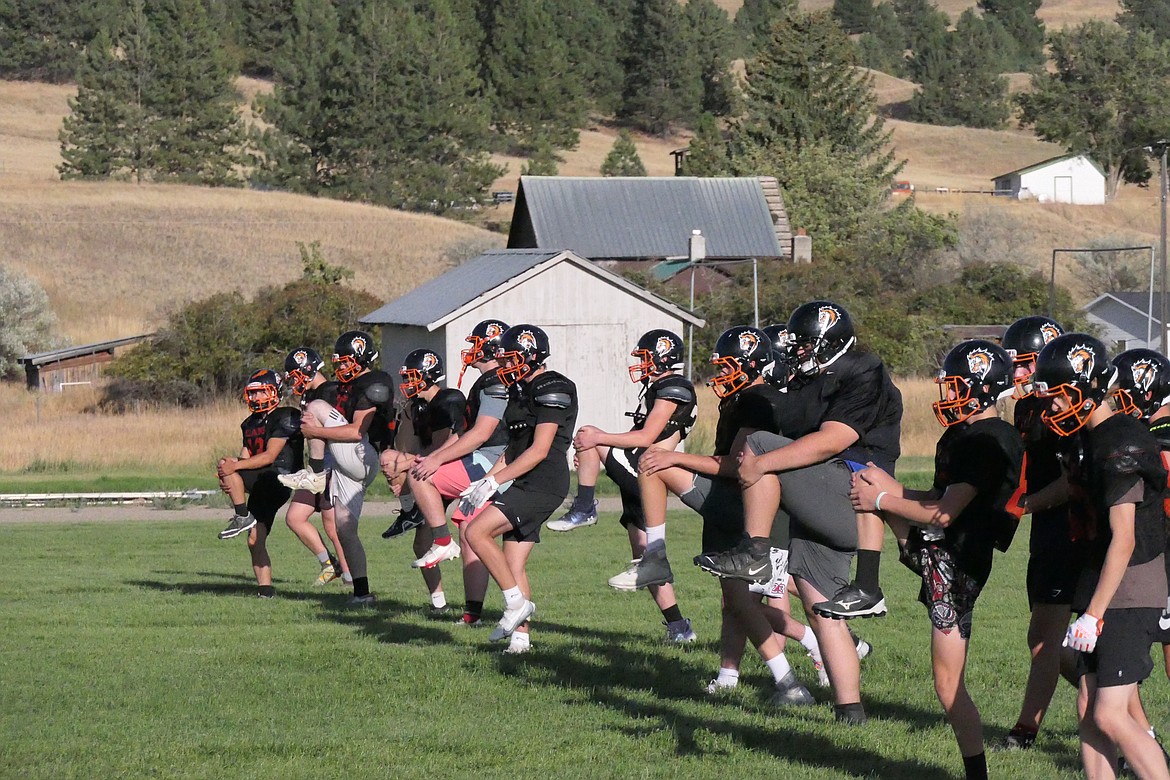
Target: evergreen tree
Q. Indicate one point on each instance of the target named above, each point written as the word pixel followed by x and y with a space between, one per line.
pixel 707 152
pixel 594 33
pixel 960 84
pixel 536 92
pixel 753 22
pixel 623 159
pixel 884 47
pixel 101 119
pixel 1153 16
pixel 44 40
pixel 1019 20
pixel 854 16
pixel 542 162
pixel 1106 97
pixel 710 39
pixel 263 30
pixel 662 87
pixel 923 23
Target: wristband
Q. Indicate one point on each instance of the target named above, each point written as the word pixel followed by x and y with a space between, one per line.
pixel 877 502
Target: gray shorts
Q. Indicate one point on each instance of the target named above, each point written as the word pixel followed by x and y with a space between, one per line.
pixel 814 503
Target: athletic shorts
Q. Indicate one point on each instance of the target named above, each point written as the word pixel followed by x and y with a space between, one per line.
pixel 1122 655
pixel 1052 579
pixel 621 467
pixel 320 502
pixel 948 593
pixel 354 466
pixel 526 512
pixel 265 494
pixel 453 478
pixel 720 504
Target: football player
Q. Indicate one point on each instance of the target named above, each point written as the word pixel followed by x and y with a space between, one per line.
pixel 842 408
pixel 272 446
pixel 1116 489
pixel 706 484
pixel 355 428
pixel 444 473
pixel 302 372
pixel 1052 562
pixel 434 415
pixel 948 534
pixel 665 413
pixel 540 417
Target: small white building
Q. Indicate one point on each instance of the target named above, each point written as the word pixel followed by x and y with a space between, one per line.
pixel 593 319
pixel 1074 179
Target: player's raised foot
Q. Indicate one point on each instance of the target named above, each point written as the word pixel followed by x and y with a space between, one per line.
pixel 407 520
pixel 238 525
pixel 574 518
pixel 852 602
pixel 305 479
pixel 790 693
pixel 651 569
pixel 518 644
pixel 680 632
pixel 328 574
pixel 512 619
pixel 750 560
pixel 437 554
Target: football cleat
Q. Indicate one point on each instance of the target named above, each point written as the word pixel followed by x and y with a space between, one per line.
pixel 305 479
pixel 328 574
pixel 716 688
pixel 680 632
pixel 519 644
pixel 407 520
pixel 238 525
pixel 468 621
pixel 574 518
pixel 437 554
pixel 512 619
pixel 790 693
pixel 367 600
pixel 651 569
pixel 750 560
pixel 852 602
pixel 1016 739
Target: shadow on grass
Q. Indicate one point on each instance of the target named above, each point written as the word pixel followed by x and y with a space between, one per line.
pixel 615 673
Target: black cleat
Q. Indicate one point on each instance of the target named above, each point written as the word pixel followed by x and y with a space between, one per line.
pixel 407 520
pixel 852 602
pixel 750 560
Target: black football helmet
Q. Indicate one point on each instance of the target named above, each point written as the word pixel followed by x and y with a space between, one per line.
pixel 522 350
pixel 975 374
pixel 783 363
pixel 820 333
pixel 300 366
pixel 484 340
pixel 420 370
pixel 658 351
pixel 262 393
pixel 741 355
pixel 1074 367
pixel 1143 382
pixel 1023 340
pixel 352 354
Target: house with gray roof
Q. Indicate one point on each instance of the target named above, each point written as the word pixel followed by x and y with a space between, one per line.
pixel 593 318
pixel 1125 319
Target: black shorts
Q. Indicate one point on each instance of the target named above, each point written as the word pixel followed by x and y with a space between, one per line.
pixel 719 501
pixel 1122 655
pixel 1052 579
pixel 947 592
pixel 621 466
pixel 265 494
pixel 526 511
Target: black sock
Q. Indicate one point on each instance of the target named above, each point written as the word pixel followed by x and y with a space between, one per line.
pixel 672 614
pixel 317 464
pixel 584 500
pixel 474 608
pixel 975 766
pixel 361 586
pixel 868 562
pixel 241 510
pixel 267 591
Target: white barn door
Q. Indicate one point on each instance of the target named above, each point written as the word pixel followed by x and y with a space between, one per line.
pixel 1062 189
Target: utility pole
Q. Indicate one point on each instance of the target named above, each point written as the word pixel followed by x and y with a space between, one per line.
pixel 1162 308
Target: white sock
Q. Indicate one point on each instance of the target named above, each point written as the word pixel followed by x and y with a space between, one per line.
pixel 438 599
pixel 520 639
pixel 779 666
pixel 347 578
pixel 727 678
pixel 513 598
pixel 1151 733
pixel 809 641
pixel 323 557
pixel 656 537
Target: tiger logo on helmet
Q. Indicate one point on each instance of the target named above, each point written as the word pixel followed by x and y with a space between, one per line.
pixel 1081 359
pixel 979 362
pixel 663 346
pixel 827 317
pixel 748 341
pixel 527 339
pixel 1049 331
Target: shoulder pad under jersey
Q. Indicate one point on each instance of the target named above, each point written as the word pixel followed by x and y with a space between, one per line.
pixel 497 390
pixel 378 392
pixel 555 391
pixel 680 392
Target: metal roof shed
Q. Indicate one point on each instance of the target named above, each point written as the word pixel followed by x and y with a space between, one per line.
pixel 593 318
pixel 80 365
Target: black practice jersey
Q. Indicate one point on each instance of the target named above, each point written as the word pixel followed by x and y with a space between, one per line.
pixel 1115 458
pixel 988 455
pixel 674 388
pixel 327 392
pixel 282 422
pixel 550 397
pixel 446 411
pixel 856 391
pixel 1042 467
pixel 756 407
pixel 371 390
pixel 488 385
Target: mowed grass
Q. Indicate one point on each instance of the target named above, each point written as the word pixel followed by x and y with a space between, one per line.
pixel 139 650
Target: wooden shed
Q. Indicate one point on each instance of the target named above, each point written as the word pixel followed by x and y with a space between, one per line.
pixel 593 318
pixel 83 365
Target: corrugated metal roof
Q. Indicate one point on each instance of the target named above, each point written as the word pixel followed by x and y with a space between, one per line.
pixel 433 302
pixel 1050 161
pixel 57 355
pixel 644 217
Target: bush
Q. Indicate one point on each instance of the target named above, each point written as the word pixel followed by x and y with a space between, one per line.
pixel 27 324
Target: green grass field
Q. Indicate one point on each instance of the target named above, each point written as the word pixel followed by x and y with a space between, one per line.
pixel 137 649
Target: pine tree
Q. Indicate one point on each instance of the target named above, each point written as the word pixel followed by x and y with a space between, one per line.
pixel 1153 16
pixel 101 117
pixel 594 33
pixel 707 152
pixel 1018 18
pixel 923 23
pixel 710 40
pixel 884 47
pixel 623 159
pixel 662 87
pixel 854 16
pixel 542 162
pixel 960 84
pixel 753 22
pixel 44 40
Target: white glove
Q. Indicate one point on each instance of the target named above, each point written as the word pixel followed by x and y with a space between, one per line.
pixel 1082 634
pixel 477 494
